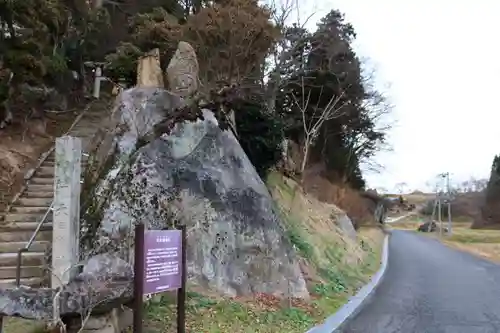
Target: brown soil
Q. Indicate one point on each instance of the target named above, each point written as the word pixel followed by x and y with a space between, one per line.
pixel 358 208
pixel 21 144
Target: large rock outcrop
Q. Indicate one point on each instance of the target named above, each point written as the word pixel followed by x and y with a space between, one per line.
pixel 343 222
pixel 159 170
pixel 106 282
pixel 193 172
pixel 162 161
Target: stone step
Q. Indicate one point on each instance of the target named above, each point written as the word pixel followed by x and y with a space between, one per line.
pixel 31 282
pixel 40 187
pixel 50 158
pixel 28 259
pixel 38 194
pixel 29 210
pixel 33 202
pixel 53 163
pixel 9 272
pixel 29 227
pixel 24 235
pixel 13 247
pixel 45 171
pixel 19 217
pixel 42 181
pixel 84 132
pixel 90 118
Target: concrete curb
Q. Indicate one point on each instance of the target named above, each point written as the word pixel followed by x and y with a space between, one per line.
pixel 336 321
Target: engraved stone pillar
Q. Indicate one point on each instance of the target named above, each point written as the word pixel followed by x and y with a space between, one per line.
pixel 149 72
pixel 66 221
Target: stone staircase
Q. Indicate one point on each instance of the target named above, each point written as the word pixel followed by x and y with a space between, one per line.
pixel 32 205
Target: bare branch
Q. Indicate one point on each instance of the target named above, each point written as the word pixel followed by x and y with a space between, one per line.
pixel 311 129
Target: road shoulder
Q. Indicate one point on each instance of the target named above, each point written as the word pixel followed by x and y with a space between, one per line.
pixel 356 303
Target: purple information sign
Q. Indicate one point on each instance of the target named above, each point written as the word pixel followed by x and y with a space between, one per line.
pixel 162 260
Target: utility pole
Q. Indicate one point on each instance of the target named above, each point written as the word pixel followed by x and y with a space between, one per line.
pixel 442 197
pixel 448 201
pixel 440 214
pixel 447 197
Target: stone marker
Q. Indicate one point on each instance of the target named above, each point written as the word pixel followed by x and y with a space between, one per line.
pixel 66 221
pixel 149 73
pixel 183 71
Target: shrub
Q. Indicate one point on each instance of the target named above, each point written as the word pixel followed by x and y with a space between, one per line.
pixel 260 134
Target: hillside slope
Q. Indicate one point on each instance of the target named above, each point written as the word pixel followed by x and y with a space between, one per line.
pixel 333 264
pixel 329 256
pixel 334 267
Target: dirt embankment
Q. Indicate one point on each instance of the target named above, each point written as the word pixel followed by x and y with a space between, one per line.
pixel 21 144
pixel 359 209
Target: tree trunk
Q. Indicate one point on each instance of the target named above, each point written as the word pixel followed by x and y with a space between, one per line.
pixel 232 119
pixel 284 152
pixel 306 155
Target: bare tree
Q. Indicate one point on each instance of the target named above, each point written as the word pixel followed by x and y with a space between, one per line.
pixel 381 190
pixel 313 117
pixel 362 145
pixel 401 186
pixel 282 54
pixel 480 184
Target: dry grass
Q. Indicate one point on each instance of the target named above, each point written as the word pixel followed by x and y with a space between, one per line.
pixel 484 243
pixel 418 198
pixel 358 208
pixel 333 265
pixel 314 217
pixel 20 146
pixel 19 325
pixel 17 156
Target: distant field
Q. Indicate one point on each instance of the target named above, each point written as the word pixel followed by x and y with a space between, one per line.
pixel 417 199
pixel 409 223
pixel 483 243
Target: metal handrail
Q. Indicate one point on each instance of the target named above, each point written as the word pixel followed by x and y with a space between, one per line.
pixel 32 239
pixel 27 178
pixel 30 242
pixel 44 156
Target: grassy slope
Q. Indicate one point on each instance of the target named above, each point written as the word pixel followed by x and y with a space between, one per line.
pixel 334 266
pixel 18 325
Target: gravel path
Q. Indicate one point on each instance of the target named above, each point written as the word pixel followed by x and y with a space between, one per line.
pixel 430 288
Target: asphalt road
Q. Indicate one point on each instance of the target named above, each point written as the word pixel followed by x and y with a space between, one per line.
pixel 430 288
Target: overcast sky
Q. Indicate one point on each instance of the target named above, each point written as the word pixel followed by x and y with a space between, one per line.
pixel 441 59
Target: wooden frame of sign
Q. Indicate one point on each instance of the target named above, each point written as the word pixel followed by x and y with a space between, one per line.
pixel 159 266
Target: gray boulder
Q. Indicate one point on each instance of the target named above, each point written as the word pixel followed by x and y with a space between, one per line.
pixel 161 164
pixel 167 170
pixel 344 223
pixel 430 226
pixel 106 282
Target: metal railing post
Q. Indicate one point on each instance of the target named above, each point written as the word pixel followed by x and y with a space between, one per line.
pixel 28 245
